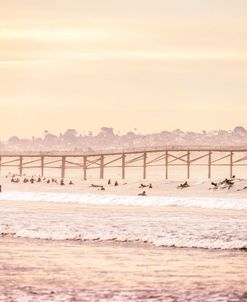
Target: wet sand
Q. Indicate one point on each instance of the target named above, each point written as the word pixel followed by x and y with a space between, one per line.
pixel 43 270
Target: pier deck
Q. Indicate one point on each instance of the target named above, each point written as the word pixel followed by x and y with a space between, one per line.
pixel 123 159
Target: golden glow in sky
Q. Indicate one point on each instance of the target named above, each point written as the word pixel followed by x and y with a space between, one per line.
pixel 151 65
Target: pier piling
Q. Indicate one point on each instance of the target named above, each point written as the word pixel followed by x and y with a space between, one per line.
pixel 140 158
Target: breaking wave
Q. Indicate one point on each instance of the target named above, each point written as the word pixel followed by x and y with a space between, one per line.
pixel 159 227
pixel 175 242
pixel 94 199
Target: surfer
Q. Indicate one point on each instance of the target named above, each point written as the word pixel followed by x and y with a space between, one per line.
pixel 142 194
pixel 184 185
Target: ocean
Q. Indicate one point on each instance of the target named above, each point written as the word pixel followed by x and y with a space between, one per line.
pixel 90 247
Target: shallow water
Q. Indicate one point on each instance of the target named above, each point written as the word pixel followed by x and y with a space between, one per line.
pixel 80 252
pixel 43 270
pixel 161 226
pixel 208 202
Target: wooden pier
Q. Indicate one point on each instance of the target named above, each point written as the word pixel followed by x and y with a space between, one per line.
pixel 143 158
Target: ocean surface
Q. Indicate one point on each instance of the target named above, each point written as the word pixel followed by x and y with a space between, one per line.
pixel 153 222
pixel 81 247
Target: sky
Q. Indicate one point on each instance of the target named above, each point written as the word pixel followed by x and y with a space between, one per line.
pixel 150 65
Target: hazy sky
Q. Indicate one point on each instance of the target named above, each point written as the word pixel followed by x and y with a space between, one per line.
pixel 147 64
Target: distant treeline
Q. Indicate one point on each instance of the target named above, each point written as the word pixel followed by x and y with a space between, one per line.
pixel 107 139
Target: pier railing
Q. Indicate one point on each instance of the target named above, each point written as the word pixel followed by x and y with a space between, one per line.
pixel 158 156
pixel 118 150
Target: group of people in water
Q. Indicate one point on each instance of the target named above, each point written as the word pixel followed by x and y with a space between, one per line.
pixel 33 179
pixel 150 186
pixel 38 179
pixel 226 183
pixel 102 188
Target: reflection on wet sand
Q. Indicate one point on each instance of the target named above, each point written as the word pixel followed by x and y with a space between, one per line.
pixel 77 271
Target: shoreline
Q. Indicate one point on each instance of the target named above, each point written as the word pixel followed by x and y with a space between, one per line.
pixel 206 222
pixel 71 222
pixel 112 243
pixel 96 271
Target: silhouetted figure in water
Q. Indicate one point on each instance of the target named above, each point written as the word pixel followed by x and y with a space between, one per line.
pixel 143 186
pixel 150 186
pixel 13 180
pixel 116 184
pixel 32 180
pixel 226 183
pixel 96 186
pixel 229 182
pixel 184 185
pixel 102 188
pixel 244 188
pixel 39 179
pixel 48 181
pixel 142 194
pixel 62 182
pixel 0 189
pixel 109 182
pixel 71 182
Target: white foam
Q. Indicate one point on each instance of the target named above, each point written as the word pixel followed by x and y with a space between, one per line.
pixel 161 228
pixel 93 199
pixel 178 242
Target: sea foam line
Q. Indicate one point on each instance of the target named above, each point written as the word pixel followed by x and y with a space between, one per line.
pixel 175 242
pixel 93 199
